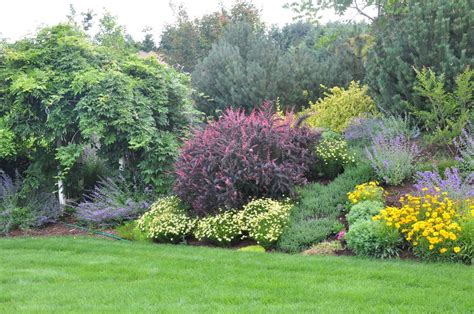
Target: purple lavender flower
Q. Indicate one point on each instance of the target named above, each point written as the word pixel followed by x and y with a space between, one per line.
pixel 452 183
pixel 393 158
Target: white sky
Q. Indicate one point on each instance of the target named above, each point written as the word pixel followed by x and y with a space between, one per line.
pixel 19 18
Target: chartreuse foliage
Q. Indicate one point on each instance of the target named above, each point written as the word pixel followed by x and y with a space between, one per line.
pixel 75 93
pixel 340 106
pixel 79 274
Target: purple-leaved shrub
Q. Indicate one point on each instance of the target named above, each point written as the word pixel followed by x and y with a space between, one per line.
pixel 241 157
pixel 392 158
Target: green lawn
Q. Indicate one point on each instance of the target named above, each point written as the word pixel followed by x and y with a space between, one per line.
pixel 90 274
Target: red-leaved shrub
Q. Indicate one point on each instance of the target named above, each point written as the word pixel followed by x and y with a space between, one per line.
pixel 240 157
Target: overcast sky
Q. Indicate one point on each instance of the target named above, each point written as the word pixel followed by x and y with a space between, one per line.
pixel 23 17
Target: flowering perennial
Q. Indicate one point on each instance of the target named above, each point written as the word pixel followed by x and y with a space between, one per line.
pixel 430 223
pixel 166 221
pixel 222 228
pixel 370 191
pixel 334 150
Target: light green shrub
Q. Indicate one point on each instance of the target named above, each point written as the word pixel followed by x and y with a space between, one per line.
pixel 265 219
pixel 167 221
pixel 364 211
pixel 373 238
pixel 222 228
pixel 339 106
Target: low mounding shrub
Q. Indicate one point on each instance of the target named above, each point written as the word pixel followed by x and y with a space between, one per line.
pixel 313 217
pixel 393 158
pixel 222 228
pixel 373 238
pixel 364 211
pixel 265 219
pixel 452 183
pixel 167 221
pixel 340 106
pixel 241 157
pixel 32 211
pixel 324 248
pixel 333 157
pixel 466 240
pixel 111 203
pixel 370 191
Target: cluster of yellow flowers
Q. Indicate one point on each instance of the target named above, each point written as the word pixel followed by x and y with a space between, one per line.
pixel 221 228
pixel 427 222
pixel 264 219
pixel 166 221
pixel 370 191
pixel 334 150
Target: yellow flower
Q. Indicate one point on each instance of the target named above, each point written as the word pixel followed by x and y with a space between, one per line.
pixel 456 249
pixel 443 250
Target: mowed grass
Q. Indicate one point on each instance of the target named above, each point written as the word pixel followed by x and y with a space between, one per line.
pixel 87 274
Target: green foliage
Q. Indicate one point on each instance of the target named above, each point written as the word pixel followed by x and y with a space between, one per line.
pixel 76 94
pixel 466 239
pixel 130 231
pixel 363 211
pixel 222 228
pixel 445 113
pixel 187 42
pixel 313 217
pixel 247 65
pixel 433 33
pixel 7 141
pixel 373 238
pixel 167 221
pixel 339 106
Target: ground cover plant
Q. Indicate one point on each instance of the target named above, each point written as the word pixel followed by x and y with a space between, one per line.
pixel 90 274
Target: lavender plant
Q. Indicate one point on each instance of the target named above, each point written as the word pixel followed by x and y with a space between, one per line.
pixel 453 183
pixel 465 148
pixel 361 130
pixel 110 203
pixel 392 158
pixel 34 211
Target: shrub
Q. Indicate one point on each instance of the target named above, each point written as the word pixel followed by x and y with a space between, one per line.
pixel 466 240
pixel 340 106
pixel 265 219
pixel 393 159
pixel 370 191
pixel 373 238
pixel 360 131
pixel 167 221
pixel 445 113
pixel 240 157
pixel 324 248
pixel 32 211
pixel 316 211
pixel 452 183
pixel 465 148
pixel 222 228
pixel 364 211
pixel 334 156
pixel 111 203
pixel 430 223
